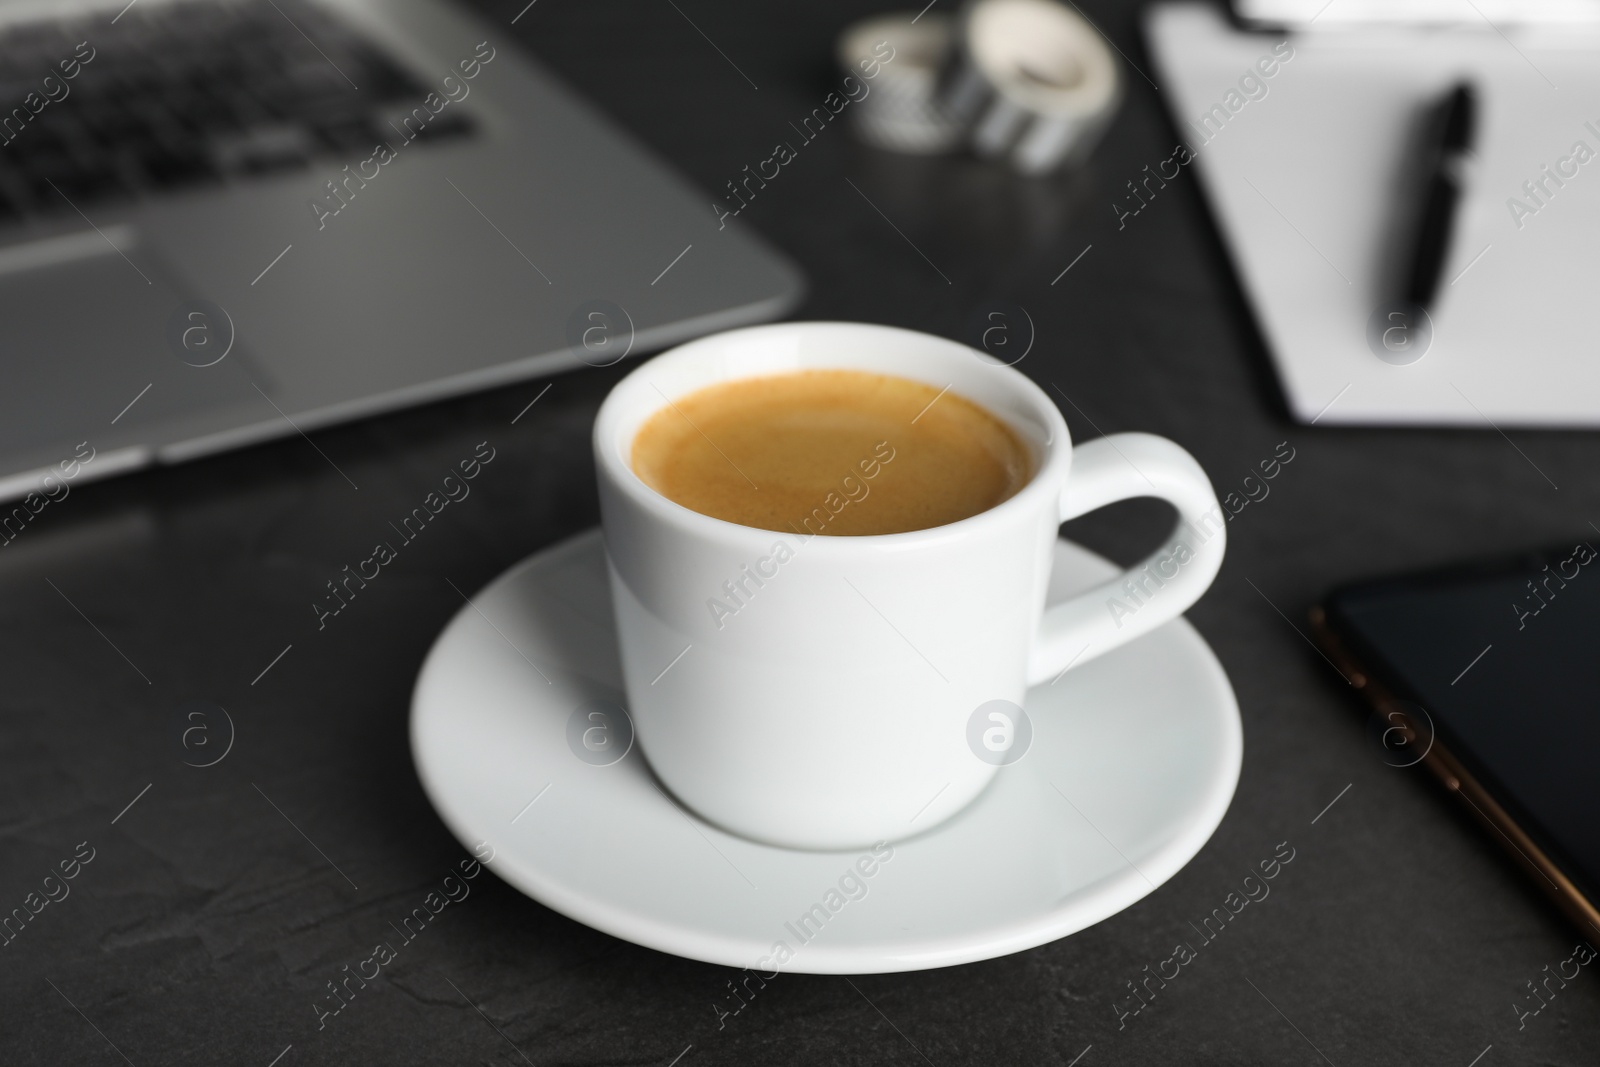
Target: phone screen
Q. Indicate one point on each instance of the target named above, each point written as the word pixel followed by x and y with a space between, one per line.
pixel 1505 660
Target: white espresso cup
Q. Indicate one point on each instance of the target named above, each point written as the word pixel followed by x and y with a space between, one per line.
pixel 813 691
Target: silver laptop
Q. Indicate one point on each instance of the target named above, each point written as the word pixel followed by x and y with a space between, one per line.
pixel 223 221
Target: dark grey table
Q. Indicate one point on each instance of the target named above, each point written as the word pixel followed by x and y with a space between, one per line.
pixel 219 904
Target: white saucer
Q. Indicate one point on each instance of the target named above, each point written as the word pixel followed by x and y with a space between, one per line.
pixel 1133 762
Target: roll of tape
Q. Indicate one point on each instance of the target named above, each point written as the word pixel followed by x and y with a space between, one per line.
pixel 1035 81
pixel 902 109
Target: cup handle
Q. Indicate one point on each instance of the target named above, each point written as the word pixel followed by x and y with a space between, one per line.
pixel 1160 587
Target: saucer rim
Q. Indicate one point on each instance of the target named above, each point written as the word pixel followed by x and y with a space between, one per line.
pixel 1085 906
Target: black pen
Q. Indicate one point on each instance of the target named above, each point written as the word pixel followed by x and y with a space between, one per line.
pixel 1447 134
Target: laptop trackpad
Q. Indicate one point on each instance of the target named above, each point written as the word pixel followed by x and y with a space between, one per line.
pixel 105 349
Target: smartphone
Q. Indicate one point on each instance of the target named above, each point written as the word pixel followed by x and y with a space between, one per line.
pixel 1489 675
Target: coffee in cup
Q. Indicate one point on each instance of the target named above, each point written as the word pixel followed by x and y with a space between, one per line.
pixel 837 452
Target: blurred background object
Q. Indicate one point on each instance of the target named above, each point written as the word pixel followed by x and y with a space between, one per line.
pixel 1039 81
pixel 1308 148
pixel 1330 14
pixel 1027 81
pixel 903 111
pixel 228 220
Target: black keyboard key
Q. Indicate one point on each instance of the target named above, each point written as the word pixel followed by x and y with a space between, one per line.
pixel 43 140
pixel 116 127
pixel 192 91
pixel 206 119
pixel 59 186
pixel 169 170
pixel 271 162
pixel 91 185
pixel 446 126
pixel 264 150
pixel 347 135
pixel 34 164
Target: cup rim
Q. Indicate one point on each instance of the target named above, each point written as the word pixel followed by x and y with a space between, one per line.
pixel 1046 481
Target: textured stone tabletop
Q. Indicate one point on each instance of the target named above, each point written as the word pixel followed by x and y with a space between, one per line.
pixel 210 907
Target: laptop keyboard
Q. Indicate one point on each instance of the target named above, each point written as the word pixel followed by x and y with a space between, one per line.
pixel 191 92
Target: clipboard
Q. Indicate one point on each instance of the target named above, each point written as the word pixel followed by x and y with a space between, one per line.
pixel 1306 173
